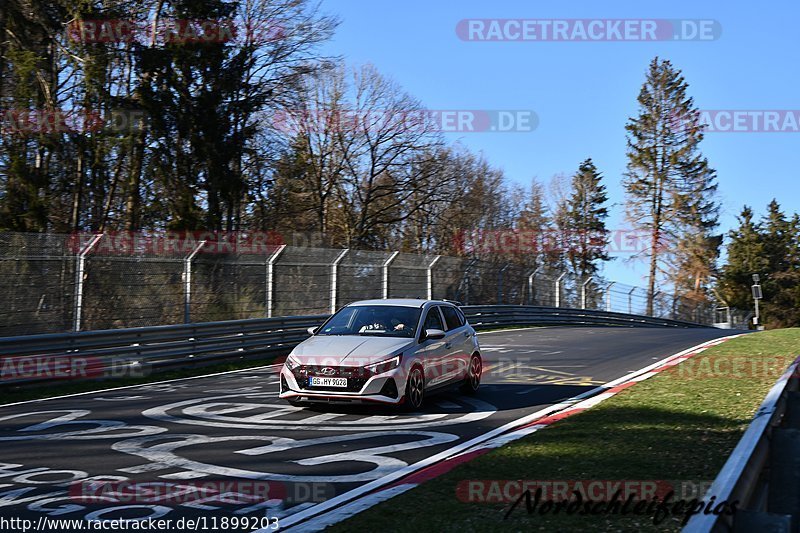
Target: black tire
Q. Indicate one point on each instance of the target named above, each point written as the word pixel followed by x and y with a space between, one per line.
pixel 472 381
pixel 294 403
pixel 415 390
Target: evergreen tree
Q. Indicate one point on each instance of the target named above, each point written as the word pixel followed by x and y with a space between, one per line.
pixel 585 216
pixel 669 184
pixel 781 284
pixel 746 257
pixel 533 226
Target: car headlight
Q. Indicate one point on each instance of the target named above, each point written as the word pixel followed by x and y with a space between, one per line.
pixel 384 366
pixel 292 363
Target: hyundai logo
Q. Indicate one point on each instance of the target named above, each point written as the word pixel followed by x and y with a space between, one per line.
pixel 328 371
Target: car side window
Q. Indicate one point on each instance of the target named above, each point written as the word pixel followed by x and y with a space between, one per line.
pixel 461 316
pixel 451 317
pixel 433 320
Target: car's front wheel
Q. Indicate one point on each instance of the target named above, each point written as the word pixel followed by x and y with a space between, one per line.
pixel 473 378
pixel 415 389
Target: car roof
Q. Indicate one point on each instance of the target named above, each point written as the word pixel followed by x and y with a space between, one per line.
pixel 400 302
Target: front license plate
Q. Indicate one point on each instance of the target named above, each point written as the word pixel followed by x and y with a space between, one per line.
pixel 327 382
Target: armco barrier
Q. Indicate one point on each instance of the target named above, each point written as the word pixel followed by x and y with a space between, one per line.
pixel 494 316
pixel 129 352
pixel 762 475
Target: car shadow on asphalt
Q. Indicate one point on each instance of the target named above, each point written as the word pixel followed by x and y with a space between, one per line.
pixel 509 396
pixel 490 397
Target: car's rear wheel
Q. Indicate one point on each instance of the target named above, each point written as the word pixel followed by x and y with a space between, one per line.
pixel 415 389
pixel 473 378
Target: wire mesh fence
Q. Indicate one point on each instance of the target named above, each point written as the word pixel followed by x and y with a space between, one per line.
pixel 55 283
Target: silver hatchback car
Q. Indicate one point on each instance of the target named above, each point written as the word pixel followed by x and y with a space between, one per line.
pixel 384 351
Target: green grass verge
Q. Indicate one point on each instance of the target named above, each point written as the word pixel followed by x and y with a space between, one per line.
pixel 11 394
pixel 679 425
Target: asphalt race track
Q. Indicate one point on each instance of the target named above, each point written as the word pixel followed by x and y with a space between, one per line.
pixel 230 432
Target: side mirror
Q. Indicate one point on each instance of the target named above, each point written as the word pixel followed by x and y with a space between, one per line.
pixel 434 334
pixel 312 330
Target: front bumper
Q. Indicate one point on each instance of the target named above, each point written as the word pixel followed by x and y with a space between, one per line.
pixel 385 388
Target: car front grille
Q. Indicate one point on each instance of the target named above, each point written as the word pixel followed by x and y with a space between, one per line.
pixel 356 377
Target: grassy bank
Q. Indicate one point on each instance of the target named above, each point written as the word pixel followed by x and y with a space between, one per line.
pixel 679 426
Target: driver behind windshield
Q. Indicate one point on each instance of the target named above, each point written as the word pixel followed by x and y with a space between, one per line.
pixel 382 321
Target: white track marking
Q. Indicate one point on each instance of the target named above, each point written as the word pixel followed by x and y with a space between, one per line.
pixel 143 385
pixel 316 518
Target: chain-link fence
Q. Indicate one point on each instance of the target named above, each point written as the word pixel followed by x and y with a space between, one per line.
pixel 55 283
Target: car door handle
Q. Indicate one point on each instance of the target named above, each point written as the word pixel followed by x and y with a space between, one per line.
pixel 467 334
pixel 448 345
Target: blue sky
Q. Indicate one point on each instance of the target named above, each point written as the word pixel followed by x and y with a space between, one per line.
pixel 583 92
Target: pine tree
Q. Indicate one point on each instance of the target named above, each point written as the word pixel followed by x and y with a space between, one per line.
pixel 781 285
pixel 669 184
pixel 585 215
pixel 746 256
pixel 533 227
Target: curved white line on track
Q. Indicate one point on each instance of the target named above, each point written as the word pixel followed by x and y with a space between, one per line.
pixel 268 415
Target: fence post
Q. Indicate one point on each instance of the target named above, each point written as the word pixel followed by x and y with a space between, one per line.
pixel 558 288
pixel 608 296
pixel 630 301
pixel 187 283
pixel 466 278
pixel 335 276
pixel 430 276
pixel 79 280
pixel 271 279
pixel 500 284
pixel 655 295
pixel 583 292
pixel 530 285
pixel 386 274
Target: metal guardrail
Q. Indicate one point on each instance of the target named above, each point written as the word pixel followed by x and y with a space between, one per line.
pixel 493 316
pixel 762 473
pixel 139 351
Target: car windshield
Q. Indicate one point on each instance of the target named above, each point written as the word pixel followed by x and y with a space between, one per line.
pixel 375 320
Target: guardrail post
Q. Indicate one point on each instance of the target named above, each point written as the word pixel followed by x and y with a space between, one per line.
pixel 608 296
pixel 430 276
pixel 271 279
pixel 530 285
pixel 558 288
pixel 583 292
pixel 335 276
pixel 79 280
pixel 187 283
pixel 630 301
pixel 386 274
